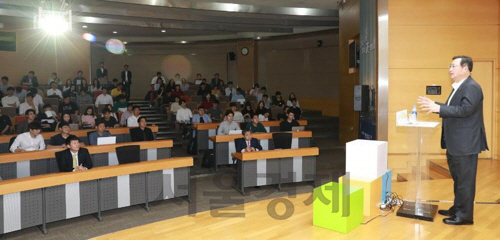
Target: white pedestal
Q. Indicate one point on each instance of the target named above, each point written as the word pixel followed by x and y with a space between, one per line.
pixel 366 160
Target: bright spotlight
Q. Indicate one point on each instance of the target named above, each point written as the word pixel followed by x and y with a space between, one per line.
pixel 53 22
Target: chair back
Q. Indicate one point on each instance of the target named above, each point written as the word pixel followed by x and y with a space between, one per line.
pixel 128 154
pixel 282 140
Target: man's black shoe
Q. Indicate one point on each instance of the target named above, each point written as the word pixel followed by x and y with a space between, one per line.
pixel 446 213
pixel 457 221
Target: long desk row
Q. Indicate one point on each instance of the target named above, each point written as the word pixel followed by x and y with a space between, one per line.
pixel 25 164
pixel 275 167
pixel 35 201
pixel 122 135
pixel 205 130
pixel 224 144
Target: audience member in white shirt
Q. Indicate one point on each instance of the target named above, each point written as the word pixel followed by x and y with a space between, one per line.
pixel 53 91
pixel 132 120
pixel 158 75
pixel 230 90
pixel 183 117
pixel 264 117
pixel 104 98
pixel 175 106
pixel 37 99
pixel 10 100
pixel 29 104
pixel 291 97
pixel 237 116
pixel 29 141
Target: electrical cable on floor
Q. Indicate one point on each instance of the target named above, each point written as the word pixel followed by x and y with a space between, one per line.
pixel 392 200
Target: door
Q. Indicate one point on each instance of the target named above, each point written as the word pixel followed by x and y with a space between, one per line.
pixel 483 72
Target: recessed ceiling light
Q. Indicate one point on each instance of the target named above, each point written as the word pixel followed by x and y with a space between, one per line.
pixel 125 42
pixel 258 38
pixel 193 54
pixel 183 42
pixel 84 26
pixel 115 32
pixel 163 30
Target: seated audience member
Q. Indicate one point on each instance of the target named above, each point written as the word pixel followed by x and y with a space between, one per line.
pixel 216 91
pixel 202 91
pixel 37 99
pixel 117 91
pixel 247 111
pixel 30 80
pixel 59 140
pixel 255 125
pixel 177 92
pixel 215 80
pixel 23 126
pixel 54 79
pixel 84 86
pixel 110 107
pixel 83 98
pixel 201 117
pixel 184 85
pixel 10 100
pixel 154 80
pixel 230 90
pixel 141 133
pixel 286 125
pixel 74 158
pixel 132 120
pixel 264 117
pixel 114 85
pixel 69 88
pixel 77 81
pixel 238 117
pixel 292 97
pixel 158 84
pixel 247 143
pixel 261 94
pixel 161 94
pixel 108 120
pixel 48 118
pixel 183 117
pixel 5 124
pixel 255 91
pixel 54 92
pixel 29 141
pixel 198 80
pixel 120 104
pixel 96 85
pixel 175 105
pixel 170 86
pixel 215 112
pixel 5 85
pixel 238 97
pixel 207 101
pixel 228 124
pixel 104 98
pixel 295 109
pixel 88 118
pixel 278 100
pixel 177 79
pixel 20 93
pixel 29 104
pixel 283 116
pixel 101 132
pixel 261 108
pixel 221 86
pixel 267 101
pixel 127 114
pixel 67 106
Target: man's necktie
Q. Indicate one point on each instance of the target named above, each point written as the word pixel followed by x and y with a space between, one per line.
pixel 201 120
pixel 75 162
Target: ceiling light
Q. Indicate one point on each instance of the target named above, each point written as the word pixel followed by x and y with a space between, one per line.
pixel 183 42
pixel 84 26
pixel 258 38
pixel 115 32
pixel 125 42
pixel 163 30
pixel 53 22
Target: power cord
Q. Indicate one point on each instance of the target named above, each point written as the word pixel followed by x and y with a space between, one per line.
pixel 391 201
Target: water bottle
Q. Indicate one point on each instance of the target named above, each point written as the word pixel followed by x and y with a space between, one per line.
pixel 413 116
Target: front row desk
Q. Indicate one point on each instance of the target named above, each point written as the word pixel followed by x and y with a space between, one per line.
pixel 203 132
pixel 122 135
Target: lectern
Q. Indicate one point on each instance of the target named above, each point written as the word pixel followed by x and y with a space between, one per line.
pixel 417 209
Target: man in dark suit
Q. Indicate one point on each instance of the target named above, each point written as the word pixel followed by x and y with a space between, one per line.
pixel 463 136
pixel 73 158
pixel 127 80
pixel 30 80
pixel 141 133
pixel 101 71
pixel 248 143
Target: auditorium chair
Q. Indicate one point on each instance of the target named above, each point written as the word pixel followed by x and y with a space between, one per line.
pixel 282 140
pixel 128 154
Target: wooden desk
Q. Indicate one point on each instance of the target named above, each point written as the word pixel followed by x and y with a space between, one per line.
pixel 205 130
pixel 52 197
pixel 25 164
pixel 224 144
pixel 122 135
pixel 275 167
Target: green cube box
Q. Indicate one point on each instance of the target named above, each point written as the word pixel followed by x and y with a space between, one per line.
pixel 342 214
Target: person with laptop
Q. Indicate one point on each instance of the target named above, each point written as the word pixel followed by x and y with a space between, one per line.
pixel 101 132
pixel 59 140
pixel 247 143
pixel 29 141
pixel 289 122
pixel 132 121
pixel 74 158
pixel 228 124
pixel 141 133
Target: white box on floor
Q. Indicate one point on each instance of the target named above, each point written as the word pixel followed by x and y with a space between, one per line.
pixel 366 160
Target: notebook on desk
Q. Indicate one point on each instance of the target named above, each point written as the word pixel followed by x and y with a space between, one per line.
pixel 235 132
pixel 106 140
